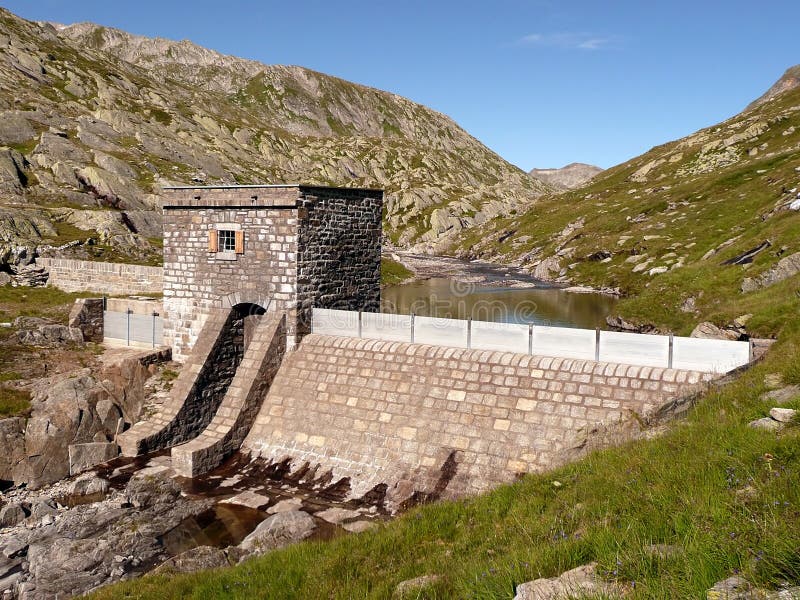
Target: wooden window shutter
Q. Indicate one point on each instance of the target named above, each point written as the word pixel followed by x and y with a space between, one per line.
pixel 239 242
pixel 213 241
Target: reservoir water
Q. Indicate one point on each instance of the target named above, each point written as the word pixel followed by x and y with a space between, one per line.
pixel 489 293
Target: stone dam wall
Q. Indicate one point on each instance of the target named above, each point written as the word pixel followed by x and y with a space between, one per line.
pixel 113 279
pixel 425 421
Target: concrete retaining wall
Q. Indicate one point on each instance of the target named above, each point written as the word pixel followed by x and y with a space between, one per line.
pixel 114 279
pixel 430 420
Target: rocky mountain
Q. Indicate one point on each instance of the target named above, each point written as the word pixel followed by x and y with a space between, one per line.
pixel 569 177
pixel 706 219
pixel 789 81
pixel 94 121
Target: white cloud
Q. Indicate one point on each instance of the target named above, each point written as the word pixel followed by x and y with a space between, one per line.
pixel 582 41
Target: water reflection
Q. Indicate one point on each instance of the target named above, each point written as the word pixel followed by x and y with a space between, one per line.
pixel 445 298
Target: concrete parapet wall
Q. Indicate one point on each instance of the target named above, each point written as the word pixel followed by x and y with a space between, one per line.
pixel 445 421
pixel 117 279
pixel 235 416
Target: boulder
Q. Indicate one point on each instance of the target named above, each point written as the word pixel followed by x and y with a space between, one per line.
pixel 43 507
pixel 279 530
pixel 732 588
pixel 83 457
pixel 782 415
pixel 766 423
pixel 15 129
pixel 191 561
pixel 546 268
pixel 708 330
pixel 88 486
pixel 579 582
pixel 782 395
pixel 87 315
pixel 412 588
pixel 359 526
pixel 12 171
pixel 12 514
pixel 146 490
pixel 12 445
pixel 337 515
pixel 285 505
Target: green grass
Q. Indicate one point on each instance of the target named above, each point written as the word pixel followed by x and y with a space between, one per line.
pixel 392 272
pixel 37 302
pixel 684 489
pixel 13 402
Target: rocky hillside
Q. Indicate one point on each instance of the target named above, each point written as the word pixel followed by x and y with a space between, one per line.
pixel 94 121
pixel 572 176
pixel 703 223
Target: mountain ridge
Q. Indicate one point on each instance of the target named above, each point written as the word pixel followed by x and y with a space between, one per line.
pixel 567 177
pixel 86 135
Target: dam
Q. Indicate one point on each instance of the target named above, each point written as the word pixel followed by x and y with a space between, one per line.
pixel 271 297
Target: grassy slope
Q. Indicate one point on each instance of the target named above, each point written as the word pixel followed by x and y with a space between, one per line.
pixel 692 213
pixel 725 495
pixel 392 272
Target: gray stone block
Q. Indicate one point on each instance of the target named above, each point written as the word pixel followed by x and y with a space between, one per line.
pixel 83 457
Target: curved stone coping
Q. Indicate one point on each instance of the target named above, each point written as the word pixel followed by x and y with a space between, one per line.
pixel 170 426
pixel 235 416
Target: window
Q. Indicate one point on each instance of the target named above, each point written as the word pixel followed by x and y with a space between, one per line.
pixel 227 240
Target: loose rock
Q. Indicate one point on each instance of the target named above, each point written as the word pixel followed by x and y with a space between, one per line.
pixel 191 561
pixel 278 531
pixel 579 582
pixel 411 588
pixel 782 415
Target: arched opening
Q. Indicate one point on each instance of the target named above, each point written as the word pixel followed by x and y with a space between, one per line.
pixel 243 320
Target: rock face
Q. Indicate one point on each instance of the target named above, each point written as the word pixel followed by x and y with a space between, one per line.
pixel 572 176
pixel 87 315
pixel 73 421
pixel 174 112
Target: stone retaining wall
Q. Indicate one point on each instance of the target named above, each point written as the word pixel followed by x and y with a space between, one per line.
pixel 113 279
pixel 265 347
pixel 198 391
pixel 432 420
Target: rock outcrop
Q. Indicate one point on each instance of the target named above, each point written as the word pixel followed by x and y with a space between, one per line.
pixel 74 421
pixel 788 266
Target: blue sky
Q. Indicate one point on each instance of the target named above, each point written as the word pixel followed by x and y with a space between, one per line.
pixel 543 83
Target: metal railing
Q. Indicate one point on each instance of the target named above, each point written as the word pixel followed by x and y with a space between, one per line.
pixel 666 351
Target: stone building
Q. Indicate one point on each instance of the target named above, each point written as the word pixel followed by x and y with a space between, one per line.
pixel 267 247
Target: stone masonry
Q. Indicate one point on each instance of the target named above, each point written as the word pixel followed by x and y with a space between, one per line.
pixel 198 391
pixel 235 416
pixel 449 421
pixel 297 247
pixel 115 279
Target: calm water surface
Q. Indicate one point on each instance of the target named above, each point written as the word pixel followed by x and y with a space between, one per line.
pixel 446 298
